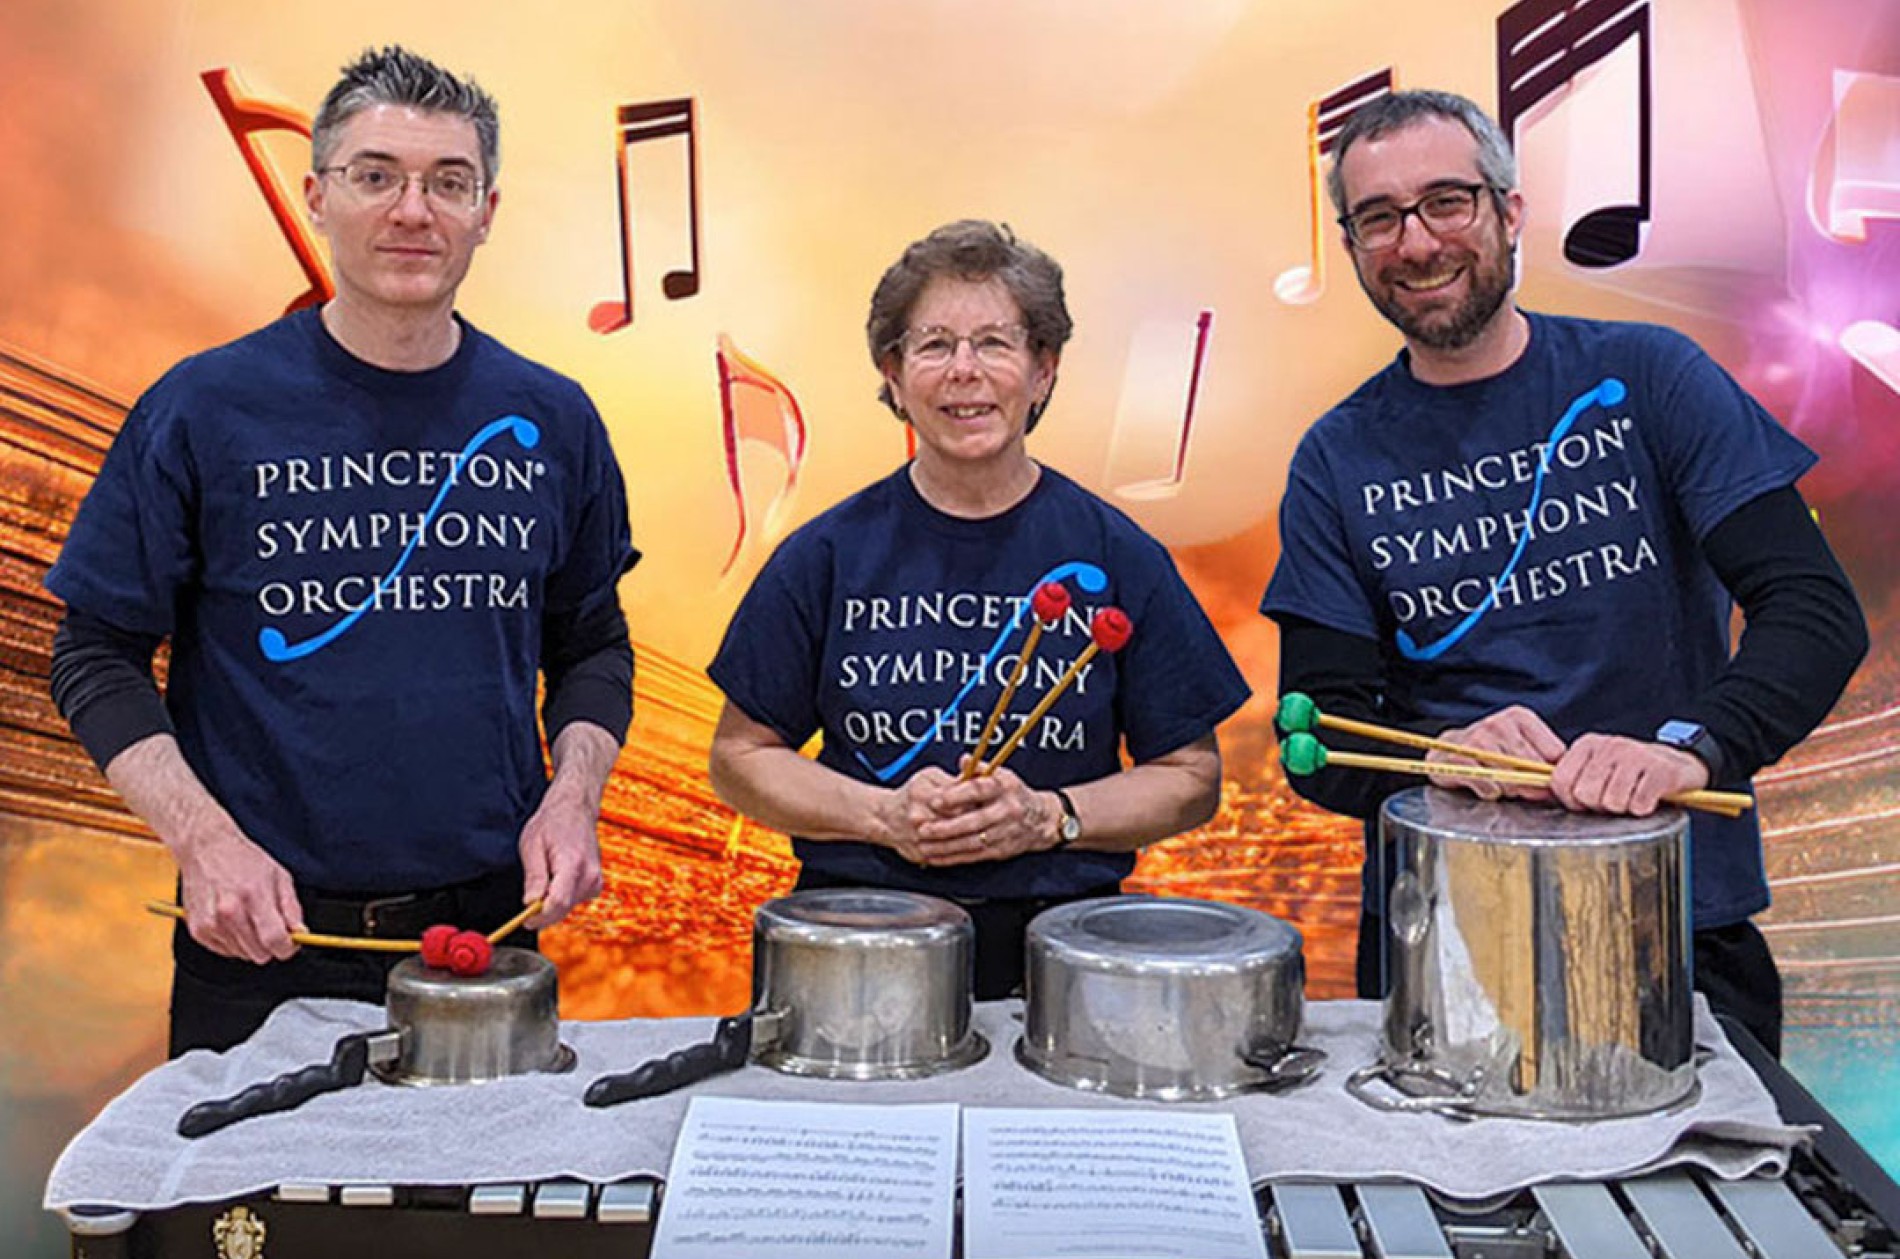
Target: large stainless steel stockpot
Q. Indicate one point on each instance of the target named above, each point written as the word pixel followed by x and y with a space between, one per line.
pixel 863 983
pixel 1164 998
pixel 1540 960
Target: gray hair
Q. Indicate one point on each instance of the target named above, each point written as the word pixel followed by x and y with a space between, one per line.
pixel 396 76
pixel 969 249
pixel 1385 114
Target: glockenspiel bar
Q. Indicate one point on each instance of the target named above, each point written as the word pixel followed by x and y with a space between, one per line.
pixel 561 1200
pixel 1681 1220
pixel 1400 1223
pixel 297 1191
pixel 367 1195
pixel 625 1202
pixel 497 1200
pixel 1588 1222
pixel 1313 1221
pixel 1773 1220
pixel 84 1220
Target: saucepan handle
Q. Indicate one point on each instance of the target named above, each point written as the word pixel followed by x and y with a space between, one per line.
pixel 348 1063
pixel 1286 1065
pixel 1453 1100
pixel 728 1050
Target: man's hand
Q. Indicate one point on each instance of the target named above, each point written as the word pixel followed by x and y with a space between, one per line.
pixel 1516 731
pixel 239 902
pixel 560 845
pixel 991 818
pixel 1608 773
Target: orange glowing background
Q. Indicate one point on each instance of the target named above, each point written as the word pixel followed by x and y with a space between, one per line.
pixel 1159 151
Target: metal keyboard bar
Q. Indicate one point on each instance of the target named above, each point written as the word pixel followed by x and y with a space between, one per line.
pixel 1773 1219
pixel 1682 1221
pixel 1588 1222
pixel 497 1200
pixel 1400 1223
pixel 625 1202
pixel 367 1195
pixel 1314 1223
pixel 560 1200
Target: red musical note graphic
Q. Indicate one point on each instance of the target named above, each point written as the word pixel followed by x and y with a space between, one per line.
pixel 245 116
pixel 1325 118
pixel 1542 46
pixel 636 124
pixel 1170 485
pixel 1856 173
pixel 756 406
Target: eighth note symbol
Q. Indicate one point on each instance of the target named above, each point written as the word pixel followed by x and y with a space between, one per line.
pixel 634 124
pixel 1325 118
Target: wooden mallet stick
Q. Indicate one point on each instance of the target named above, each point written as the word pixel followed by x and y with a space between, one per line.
pixel 165 909
pixel 1109 631
pixel 1298 714
pixel 1047 606
pixel 1303 754
pixel 508 928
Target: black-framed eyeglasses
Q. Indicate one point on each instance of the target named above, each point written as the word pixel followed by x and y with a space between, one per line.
pixel 380 183
pixel 1445 209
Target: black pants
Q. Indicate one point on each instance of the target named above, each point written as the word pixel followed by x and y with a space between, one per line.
pixel 220 1001
pixel 1733 969
pixel 1000 923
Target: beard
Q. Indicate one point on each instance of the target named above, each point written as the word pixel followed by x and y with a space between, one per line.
pixel 1489 273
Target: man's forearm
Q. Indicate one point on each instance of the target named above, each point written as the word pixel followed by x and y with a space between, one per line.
pixel 584 756
pixel 158 785
pixel 1137 806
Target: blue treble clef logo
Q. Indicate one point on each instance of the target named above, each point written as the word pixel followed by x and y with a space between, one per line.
pixel 1608 392
pixel 1091 579
pixel 271 640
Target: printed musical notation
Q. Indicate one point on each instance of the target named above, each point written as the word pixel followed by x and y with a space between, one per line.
pixel 1044 1182
pixel 1149 389
pixel 637 124
pixel 246 116
pixel 753 1178
pixel 756 406
pixel 1855 176
pixel 1543 45
pixel 1325 118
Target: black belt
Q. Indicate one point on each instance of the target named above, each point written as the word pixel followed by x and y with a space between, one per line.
pixel 406 915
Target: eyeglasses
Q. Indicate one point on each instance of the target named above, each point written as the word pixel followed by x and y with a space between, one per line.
pixel 997 345
pixel 374 182
pixel 1452 208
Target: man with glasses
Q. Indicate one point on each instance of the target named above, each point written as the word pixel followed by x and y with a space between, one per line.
pixel 367 530
pixel 1525 533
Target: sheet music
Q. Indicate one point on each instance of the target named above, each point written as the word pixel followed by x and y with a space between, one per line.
pixel 1106 1184
pixel 752 1178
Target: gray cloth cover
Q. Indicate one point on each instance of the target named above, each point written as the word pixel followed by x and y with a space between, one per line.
pixel 534 1127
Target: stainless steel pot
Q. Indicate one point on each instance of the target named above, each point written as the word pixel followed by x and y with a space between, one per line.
pixel 1540 959
pixel 457 1030
pixel 1164 998
pixel 848 983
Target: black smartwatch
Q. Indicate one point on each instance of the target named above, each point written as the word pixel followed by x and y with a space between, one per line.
pixel 1692 737
pixel 1070 829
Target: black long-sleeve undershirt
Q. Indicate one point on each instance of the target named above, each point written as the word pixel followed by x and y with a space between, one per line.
pixel 1803 635
pixel 103 685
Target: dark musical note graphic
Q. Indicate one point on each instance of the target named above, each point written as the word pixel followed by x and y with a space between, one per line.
pixel 246 115
pixel 756 406
pixel 1325 117
pixel 1170 485
pixel 1855 175
pixel 1542 46
pixel 636 124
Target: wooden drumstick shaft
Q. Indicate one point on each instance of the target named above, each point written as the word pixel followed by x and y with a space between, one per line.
pixel 1727 803
pixel 508 928
pixel 1036 714
pixel 1002 701
pixel 165 909
pixel 1425 742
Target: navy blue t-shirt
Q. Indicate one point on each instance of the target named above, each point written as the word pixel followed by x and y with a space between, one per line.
pixel 353 566
pixel 892 627
pixel 1534 538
